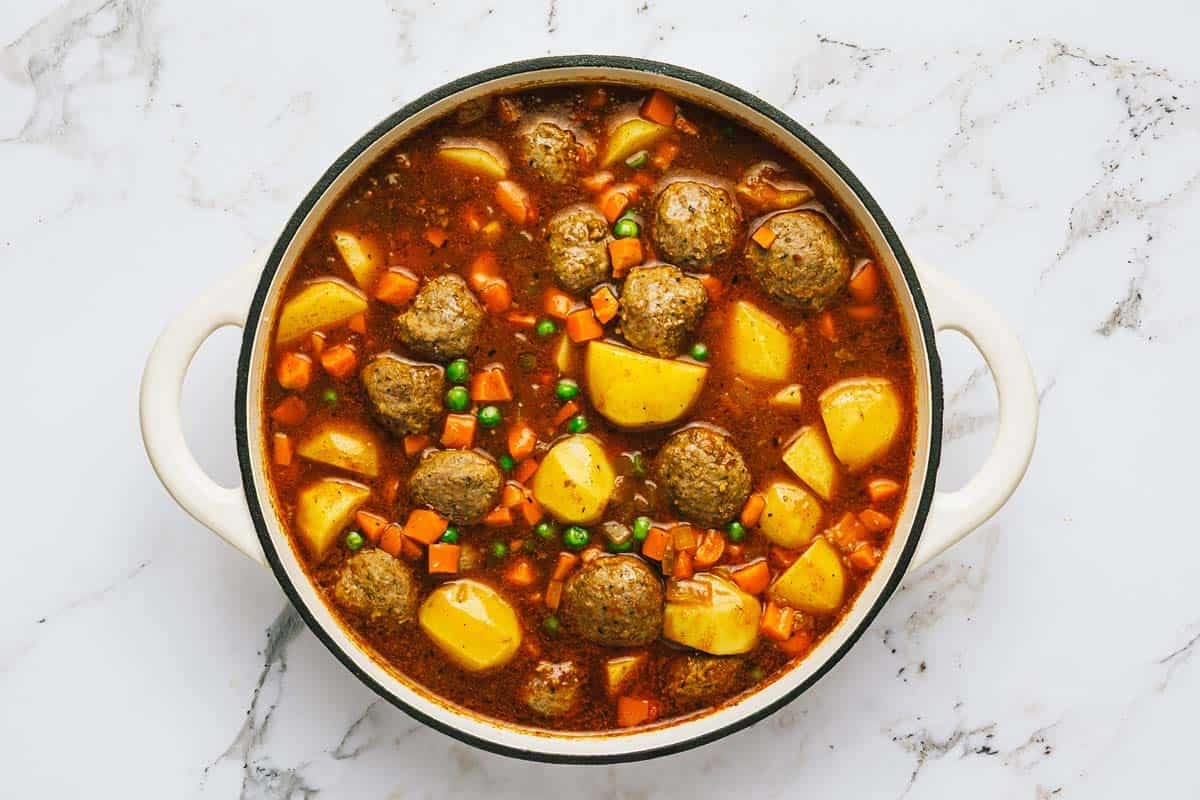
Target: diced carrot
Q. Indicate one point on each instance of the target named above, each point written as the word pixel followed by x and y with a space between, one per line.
pixel 497 296
pixel 604 304
pixel 396 287
pixel 358 323
pixel 290 411
pixel 564 566
pixel 597 182
pixel 826 327
pixel 415 443
pixel 582 326
pixel 391 488
pixel 490 386
pixel 511 495
pixel 483 270
pixel 777 621
pixel 764 237
pixel 881 489
pixel 864 284
pixel 615 199
pixel 294 371
pixel 874 521
pixel 847 531
pixel 797 644
pixel 557 303
pixel 435 236
pixel 595 98
pixel 531 509
pixel 864 313
pixel 712 287
pixel 425 526
pixel 684 126
pixel 520 573
pixel 685 538
pixel 340 361
pixel 459 431
pixel 565 412
pixel 782 557
pixel 372 525
pixel 443 558
pixel 525 470
pixel 624 254
pixel 316 342
pixel 499 517
pixel 521 441
pixel 754 577
pixel 659 107
pixel 410 550
pixel 752 511
pixel 391 540
pixel 683 568
pixel 734 553
pixel 554 591
pixel 632 711
pixel 655 546
pixel 644 179
pixel 664 153
pixel 712 547
pixel 515 201
pixel 281 447
pixel 864 558
pixel 522 319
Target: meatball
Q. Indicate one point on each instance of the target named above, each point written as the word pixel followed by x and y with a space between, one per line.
pixel 615 601
pixel 442 321
pixel 578 244
pixel 461 485
pixel 378 586
pixel 704 475
pixel 552 689
pixel 695 224
pixel 660 308
pixel 550 151
pixel 405 397
pixel 806 265
pixel 695 680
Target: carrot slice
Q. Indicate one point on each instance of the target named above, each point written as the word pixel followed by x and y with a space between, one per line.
pixel 565 412
pixel 531 509
pixel 409 549
pixel 624 254
pixel 881 489
pixel 281 448
pixel 290 411
pixel 655 546
pixel 565 565
pixel 615 199
pixel 294 371
pixel 522 319
pixel 490 386
pixel 514 201
pixel 685 538
pixel 396 287
pixel 435 236
pixel 511 496
pixel 847 531
pixel 554 591
pixel 392 541
pixel 597 182
pixel 752 511
pixel 390 488
pixel 633 711
pixel 316 342
pixel 683 568
pixel 521 573
pixel 483 270
pixel 659 107
pixel 582 326
pixel 497 296
pixel 864 558
pixel 372 525
pixel 874 521
pixel 525 470
pixel 712 547
pixel 712 287
pixel 864 284
pixel 415 443
pixel 459 431
pixel 797 644
pixel 664 154
pixel 557 303
pixel 358 323
pixel 521 441
pixel 443 558
pixel 604 304
pixel 754 577
pixel 777 621
pixel 340 361
pixel 764 237
pixel 826 327
pixel 425 526
pixel 499 517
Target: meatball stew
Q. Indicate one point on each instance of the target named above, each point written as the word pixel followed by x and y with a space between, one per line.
pixel 588 409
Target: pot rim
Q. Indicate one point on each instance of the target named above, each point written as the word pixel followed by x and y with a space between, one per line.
pixel 243 435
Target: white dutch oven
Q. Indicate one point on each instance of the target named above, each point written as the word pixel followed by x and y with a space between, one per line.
pixel 929 523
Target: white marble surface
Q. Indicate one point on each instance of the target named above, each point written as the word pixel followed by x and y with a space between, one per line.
pixel 1045 154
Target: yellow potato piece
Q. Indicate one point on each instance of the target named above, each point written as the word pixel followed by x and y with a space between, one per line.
pixel 472 624
pixel 723 625
pixel 630 136
pixel 634 390
pixel 791 516
pixel 760 346
pixel 321 304
pixel 789 398
pixel 324 509
pixel 815 582
pixel 362 255
pixel 810 458
pixel 344 445
pixel 486 160
pixel 575 480
pixel 564 355
pixel 619 670
pixel 862 417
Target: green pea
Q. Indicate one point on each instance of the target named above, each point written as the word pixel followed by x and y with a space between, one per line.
pixel 499 550
pixel 489 416
pixel 575 537
pixel 621 547
pixel 450 535
pixel 727 131
pixel 457 371
pixel 545 328
pixel 329 397
pixel 566 389
pixel 626 228
pixel 551 625
pixel 737 531
pixel 354 540
pixel 700 351
pixel 638 159
pixel 577 424
pixel 507 463
pixel 545 530
pixel 641 528
pixel 458 399
pixel 757 674
pixel 639 464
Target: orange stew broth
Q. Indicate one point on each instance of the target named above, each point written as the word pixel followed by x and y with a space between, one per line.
pixel 409 191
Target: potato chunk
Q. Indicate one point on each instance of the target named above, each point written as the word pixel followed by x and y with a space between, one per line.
pixel 810 458
pixel 362 255
pixel 575 480
pixel 791 516
pixel 472 624
pixel 717 617
pixel 320 304
pixel 478 156
pixel 630 136
pixel 618 671
pixel 344 445
pixel 634 390
pixel 862 416
pixel 324 509
pixel 815 582
pixel 760 345
pixel 790 398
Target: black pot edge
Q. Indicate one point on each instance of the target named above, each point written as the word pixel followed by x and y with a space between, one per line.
pixel 610 62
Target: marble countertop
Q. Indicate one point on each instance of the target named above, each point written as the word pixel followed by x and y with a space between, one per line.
pixel 1044 154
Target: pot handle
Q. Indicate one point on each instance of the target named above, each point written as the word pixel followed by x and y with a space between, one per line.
pixel 955 514
pixel 220 509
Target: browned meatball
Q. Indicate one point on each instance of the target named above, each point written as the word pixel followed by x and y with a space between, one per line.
pixel 378 586
pixel 704 475
pixel 695 224
pixel 461 485
pixel 405 397
pixel 550 151
pixel 577 240
pixel 806 265
pixel 552 689
pixel 615 601
pixel 695 680
pixel 660 309
pixel 442 321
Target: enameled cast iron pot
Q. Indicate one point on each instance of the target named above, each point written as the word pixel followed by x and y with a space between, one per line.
pixel 929 523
